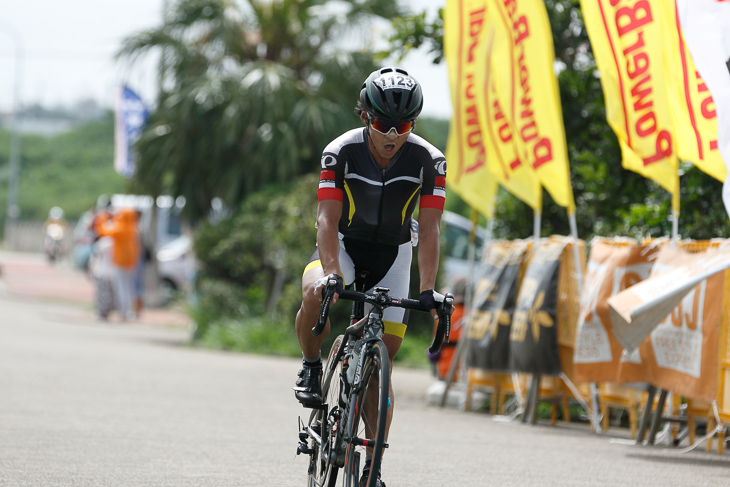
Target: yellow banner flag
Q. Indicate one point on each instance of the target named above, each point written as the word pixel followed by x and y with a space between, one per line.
pixel 693 109
pixel 468 174
pixel 479 188
pixel 626 37
pixel 526 84
pixel 503 156
pixel 464 35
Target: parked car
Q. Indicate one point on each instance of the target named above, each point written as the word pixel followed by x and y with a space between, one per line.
pixel 455 231
pixel 176 266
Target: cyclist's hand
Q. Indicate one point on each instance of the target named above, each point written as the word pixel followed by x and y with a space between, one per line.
pixel 428 301
pixel 322 283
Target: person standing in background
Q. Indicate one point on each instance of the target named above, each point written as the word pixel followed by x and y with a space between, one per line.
pixel 100 261
pixel 145 255
pixel 104 210
pixel 124 232
pixel 102 271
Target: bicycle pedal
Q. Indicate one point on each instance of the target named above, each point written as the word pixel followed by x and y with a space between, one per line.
pixel 304 448
pixel 363 442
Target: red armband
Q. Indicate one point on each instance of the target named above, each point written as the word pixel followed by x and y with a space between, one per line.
pixel 431 201
pixel 327 189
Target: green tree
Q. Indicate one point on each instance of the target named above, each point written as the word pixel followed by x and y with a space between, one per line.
pixel 251 93
pixel 69 170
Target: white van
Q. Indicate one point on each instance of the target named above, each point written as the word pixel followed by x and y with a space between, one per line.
pixel 455 231
pixel 169 224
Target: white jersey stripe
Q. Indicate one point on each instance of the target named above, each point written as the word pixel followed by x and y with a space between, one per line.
pixel 404 178
pixel 357 176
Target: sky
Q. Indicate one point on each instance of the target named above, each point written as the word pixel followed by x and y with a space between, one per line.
pixel 68 49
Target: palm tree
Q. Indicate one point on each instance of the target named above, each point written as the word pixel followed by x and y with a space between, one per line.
pixel 251 92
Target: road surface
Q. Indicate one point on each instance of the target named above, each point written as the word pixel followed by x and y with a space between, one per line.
pixel 86 403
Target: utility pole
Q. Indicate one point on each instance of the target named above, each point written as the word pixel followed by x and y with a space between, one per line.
pixel 12 210
pixel 156 296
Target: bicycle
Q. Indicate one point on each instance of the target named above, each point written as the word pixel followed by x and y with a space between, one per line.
pixel 338 432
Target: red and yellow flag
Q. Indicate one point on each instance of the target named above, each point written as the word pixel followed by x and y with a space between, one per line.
pixel 692 107
pixel 502 144
pixel 525 83
pixel 468 174
pixel 474 168
pixel 626 36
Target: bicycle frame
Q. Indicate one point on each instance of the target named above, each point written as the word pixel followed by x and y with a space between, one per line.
pixel 363 337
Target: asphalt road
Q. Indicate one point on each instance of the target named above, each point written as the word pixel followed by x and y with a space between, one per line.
pixel 84 403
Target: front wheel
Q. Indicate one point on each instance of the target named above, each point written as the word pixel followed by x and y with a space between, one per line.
pixel 325 423
pixel 368 416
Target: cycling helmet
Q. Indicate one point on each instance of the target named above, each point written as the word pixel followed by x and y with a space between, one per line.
pixel 391 94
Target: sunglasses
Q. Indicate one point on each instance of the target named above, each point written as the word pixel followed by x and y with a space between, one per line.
pixel 401 128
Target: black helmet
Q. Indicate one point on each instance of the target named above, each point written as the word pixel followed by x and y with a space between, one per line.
pixel 392 95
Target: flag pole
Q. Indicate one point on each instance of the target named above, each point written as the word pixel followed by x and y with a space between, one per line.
pixel 456 359
pixel 675 215
pixel 579 276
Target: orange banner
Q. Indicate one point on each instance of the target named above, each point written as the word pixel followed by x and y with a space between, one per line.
pixel 525 81
pixel 681 353
pixel 626 37
pixel 693 109
pixel 613 265
pixel 468 174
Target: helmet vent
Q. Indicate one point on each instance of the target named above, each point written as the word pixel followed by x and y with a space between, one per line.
pixel 397 97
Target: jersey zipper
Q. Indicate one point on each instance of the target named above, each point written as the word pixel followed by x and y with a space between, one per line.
pixel 380 207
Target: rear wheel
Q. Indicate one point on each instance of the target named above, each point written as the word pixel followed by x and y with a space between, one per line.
pixel 323 466
pixel 368 416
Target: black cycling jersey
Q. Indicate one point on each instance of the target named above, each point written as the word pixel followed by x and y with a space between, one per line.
pixel 377 204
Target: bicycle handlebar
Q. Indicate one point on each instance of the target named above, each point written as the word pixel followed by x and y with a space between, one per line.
pixel 383 300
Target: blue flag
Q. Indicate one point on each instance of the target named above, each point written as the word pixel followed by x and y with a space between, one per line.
pixel 129 120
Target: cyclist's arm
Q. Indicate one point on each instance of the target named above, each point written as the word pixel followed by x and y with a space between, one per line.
pixel 429 229
pixel 328 244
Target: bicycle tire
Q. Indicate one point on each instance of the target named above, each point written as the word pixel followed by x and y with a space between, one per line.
pixel 376 365
pixel 323 473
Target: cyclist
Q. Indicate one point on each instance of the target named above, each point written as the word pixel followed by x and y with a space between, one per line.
pixel 370 182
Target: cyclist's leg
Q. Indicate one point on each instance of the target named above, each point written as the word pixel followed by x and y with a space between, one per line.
pixel 307 387
pixel 307 315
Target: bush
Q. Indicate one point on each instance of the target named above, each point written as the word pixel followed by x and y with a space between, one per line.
pixel 253 335
pixel 262 249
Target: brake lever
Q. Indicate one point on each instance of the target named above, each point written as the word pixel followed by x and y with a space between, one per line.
pixel 324 310
pixel 443 328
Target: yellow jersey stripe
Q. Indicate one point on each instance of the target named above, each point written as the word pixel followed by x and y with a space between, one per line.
pixel 405 208
pixel 352 203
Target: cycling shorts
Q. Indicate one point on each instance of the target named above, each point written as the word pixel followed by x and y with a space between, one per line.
pixel 387 266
